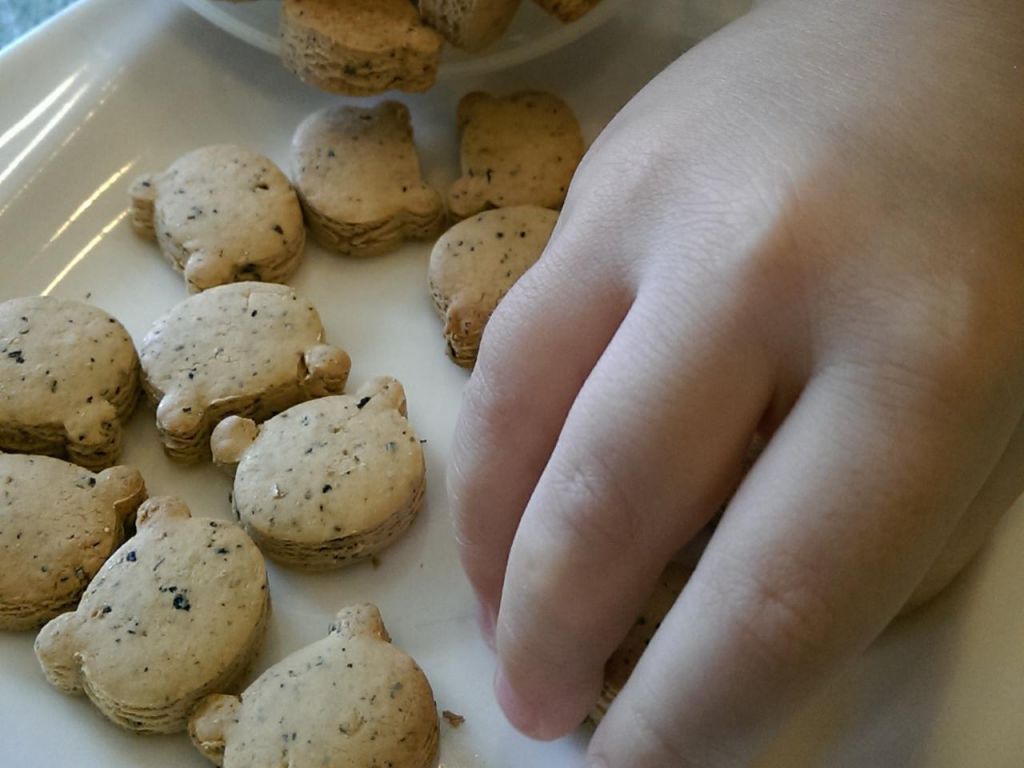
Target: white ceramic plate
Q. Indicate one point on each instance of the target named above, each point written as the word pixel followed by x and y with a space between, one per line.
pixel 118 87
pixel 533 33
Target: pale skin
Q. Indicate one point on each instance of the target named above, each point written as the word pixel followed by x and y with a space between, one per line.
pixel 812 226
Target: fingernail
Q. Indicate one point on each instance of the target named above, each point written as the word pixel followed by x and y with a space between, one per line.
pixel 516 710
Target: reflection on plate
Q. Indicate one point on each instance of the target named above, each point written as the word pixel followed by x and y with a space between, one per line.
pixel 533 33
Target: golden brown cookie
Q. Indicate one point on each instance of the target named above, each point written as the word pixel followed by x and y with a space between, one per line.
pixel 351 699
pixel 328 482
pixel 521 149
pixel 476 262
pixel 359 47
pixel 175 614
pixel 222 214
pixel 69 377
pixel 247 349
pixel 359 179
pixel 58 524
pixel 469 24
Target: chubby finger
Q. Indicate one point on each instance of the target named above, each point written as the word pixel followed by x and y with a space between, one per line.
pixel 826 538
pixel 1002 488
pixel 649 451
pixel 537 350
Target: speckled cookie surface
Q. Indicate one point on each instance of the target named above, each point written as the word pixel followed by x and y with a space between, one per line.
pixel 620 666
pixel 69 376
pixel 58 524
pixel 351 699
pixel 251 349
pixel 568 10
pixel 476 262
pixel 469 24
pixel 359 178
pixel 521 149
pixel 359 47
pixel 222 214
pixel 175 614
pixel 330 481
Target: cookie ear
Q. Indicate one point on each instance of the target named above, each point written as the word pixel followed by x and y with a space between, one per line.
pixel 125 488
pixel 360 621
pixel 143 196
pixel 384 393
pixel 90 431
pixel 211 723
pixel 463 329
pixel 56 649
pixel 180 415
pixel 231 439
pixel 203 271
pixel 161 508
pixel 326 370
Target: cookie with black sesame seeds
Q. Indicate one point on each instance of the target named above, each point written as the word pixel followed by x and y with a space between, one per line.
pixel 69 377
pixel 469 24
pixel 520 149
pixel 222 214
pixel 175 614
pixel 359 179
pixel 328 482
pixel 359 47
pixel 351 699
pixel 476 262
pixel 247 349
pixel 58 524
pixel 568 10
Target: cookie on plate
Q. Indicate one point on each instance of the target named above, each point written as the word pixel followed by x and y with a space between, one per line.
pixel 520 149
pixel 351 699
pixel 469 24
pixel 359 47
pixel 359 179
pixel 620 666
pixel 222 214
pixel 175 614
pixel 249 349
pixel 328 482
pixel 568 10
pixel 69 376
pixel 474 264
pixel 58 524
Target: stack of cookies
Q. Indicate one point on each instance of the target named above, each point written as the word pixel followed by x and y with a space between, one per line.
pixel 362 47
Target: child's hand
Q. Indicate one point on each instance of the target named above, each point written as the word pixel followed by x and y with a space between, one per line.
pixel 812 225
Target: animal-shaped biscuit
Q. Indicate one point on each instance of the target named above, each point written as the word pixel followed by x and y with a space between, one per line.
pixel 476 262
pixel 522 149
pixel 469 24
pixel 69 375
pixel 222 214
pixel 58 524
pixel 328 482
pixel 359 47
pixel 352 699
pixel 174 615
pixel 249 349
pixel 568 10
pixel 358 176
